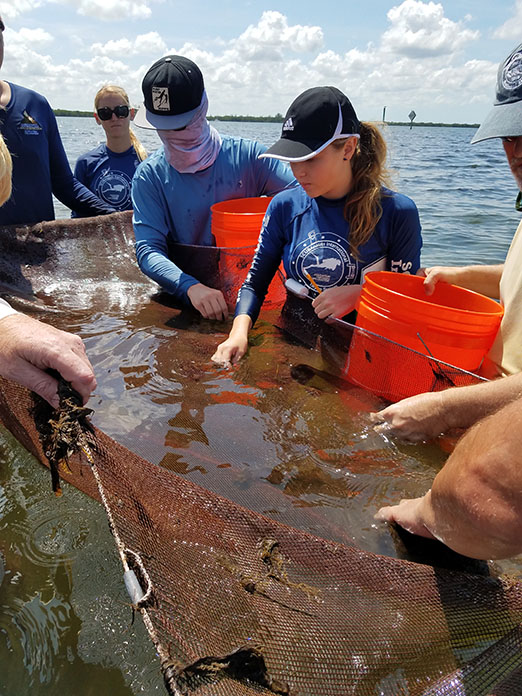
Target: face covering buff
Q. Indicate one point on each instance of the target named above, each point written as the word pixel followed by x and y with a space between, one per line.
pixel 196 146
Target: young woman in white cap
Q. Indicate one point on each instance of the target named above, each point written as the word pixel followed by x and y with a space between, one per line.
pixel 107 170
pixel 339 224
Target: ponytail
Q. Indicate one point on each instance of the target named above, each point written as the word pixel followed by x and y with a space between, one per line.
pixel 362 209
pixel 138 147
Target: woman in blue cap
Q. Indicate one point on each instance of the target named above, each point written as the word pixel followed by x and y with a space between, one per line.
pixel 340 223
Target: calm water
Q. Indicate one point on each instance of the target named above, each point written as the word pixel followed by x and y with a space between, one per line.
pixel 65 624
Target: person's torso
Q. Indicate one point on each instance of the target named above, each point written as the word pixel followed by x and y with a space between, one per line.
pixel 506 352
pixel 109 174
pixel 318 245
pixel 187 198
pixel 24 125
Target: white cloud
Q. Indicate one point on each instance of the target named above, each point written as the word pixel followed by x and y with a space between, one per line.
pixel 512 28
pixel 112 9
pixel 150 43
pixel 14 8
pixel 31 37
pixel 271 36
pixel 420 29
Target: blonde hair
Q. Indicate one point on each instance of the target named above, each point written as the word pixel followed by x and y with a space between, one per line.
pixel 6 170
pixel 120 92
pixel 363 209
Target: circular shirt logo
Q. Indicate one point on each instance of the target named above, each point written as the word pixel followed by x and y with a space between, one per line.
pixel 324 258
pixel 114 188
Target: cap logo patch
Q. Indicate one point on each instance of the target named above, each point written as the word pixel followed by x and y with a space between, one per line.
pixel 160 99
pixel 512 73
pixel 288 125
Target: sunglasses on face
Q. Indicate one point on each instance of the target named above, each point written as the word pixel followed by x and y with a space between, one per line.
pixel 105 112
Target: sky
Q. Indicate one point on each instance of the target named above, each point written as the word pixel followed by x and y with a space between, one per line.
pixel 438 59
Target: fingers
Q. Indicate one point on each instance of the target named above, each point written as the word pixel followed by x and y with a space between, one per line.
pixel 226 356
pixel 38 381
pixel 209 302
pixel 215 308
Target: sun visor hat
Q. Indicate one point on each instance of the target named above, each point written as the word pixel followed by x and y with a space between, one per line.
pixel 172 91
pixel 505 119
pixel 314 120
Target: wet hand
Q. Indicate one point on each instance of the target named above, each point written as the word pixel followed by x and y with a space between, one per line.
pixel 209 302
pixel 29 347
pixel 230 351
pixel 336 302
pixel 417 418
pixel 409 514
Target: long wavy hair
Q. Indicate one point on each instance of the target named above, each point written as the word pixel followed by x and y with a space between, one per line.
pixel 363 209
pixel 6 171
pixel 120 92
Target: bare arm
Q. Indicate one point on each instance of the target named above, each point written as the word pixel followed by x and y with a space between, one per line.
pixel 29 347
pixel 482 279
pixel 475 502
pixel 235 346
pixel 428 415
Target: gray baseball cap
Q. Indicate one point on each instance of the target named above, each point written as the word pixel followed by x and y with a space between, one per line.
pixel 505 119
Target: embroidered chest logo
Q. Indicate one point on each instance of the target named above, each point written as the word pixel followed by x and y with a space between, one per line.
pixel 160 98
pixel 29 125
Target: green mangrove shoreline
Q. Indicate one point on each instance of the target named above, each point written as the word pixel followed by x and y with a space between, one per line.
pixel 278 118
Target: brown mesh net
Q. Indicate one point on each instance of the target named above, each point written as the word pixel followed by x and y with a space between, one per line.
pixel 236 602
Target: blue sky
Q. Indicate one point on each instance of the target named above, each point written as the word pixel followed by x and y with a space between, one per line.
pixel 439 59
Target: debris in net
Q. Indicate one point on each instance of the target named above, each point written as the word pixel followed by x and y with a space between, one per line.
pixel 63 431
pixel 246 665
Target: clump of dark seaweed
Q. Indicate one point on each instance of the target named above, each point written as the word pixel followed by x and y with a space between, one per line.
pixel 245 665
pixel 63 431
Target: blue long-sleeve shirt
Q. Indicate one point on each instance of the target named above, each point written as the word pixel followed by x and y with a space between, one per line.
pixel 173 207
pixel 40 166
pixel 311 236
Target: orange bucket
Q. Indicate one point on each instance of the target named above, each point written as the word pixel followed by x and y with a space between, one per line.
pixel 237 222
pixel 455 325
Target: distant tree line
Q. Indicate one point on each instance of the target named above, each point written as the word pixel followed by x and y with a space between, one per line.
pixel 278 118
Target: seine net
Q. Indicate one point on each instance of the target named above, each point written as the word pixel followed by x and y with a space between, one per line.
pixel 235 601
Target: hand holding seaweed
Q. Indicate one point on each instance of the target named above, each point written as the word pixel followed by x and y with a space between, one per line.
pixel 63 431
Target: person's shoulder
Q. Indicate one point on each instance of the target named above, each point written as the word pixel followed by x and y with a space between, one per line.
pixel 290 202
pixel 154 162
pixel 239 143
pixel 97 152
pixel 393 200
pixel 29 94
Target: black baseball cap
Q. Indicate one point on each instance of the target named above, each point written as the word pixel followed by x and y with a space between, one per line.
pixel 172 90
pixel 315 119
pixel 505 119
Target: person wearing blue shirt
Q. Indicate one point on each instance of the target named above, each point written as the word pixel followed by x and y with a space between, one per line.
pixel 40 166
pixel 173 190
pixel 339 224
pixel 107 170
